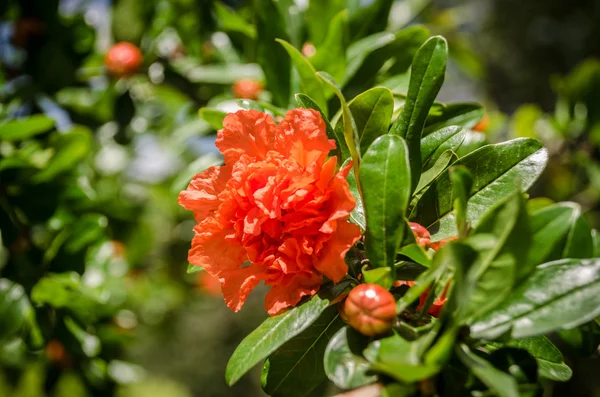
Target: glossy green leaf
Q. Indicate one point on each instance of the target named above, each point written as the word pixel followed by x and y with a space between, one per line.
pixel 462 181
pixel 275 331
pixel 416 253
pixel 381 276
pixel 343 361
pixel 358 213
pixel 194 269
pixel 318 16
pixel 473 141
pixel 440 264
pixel 501 383
pixel 310 84
pixel 367 56
pixel 385 174
pixel 369 17
pixel 331 53
pixel 21 129
pixel 230 21
pixel 580 243
pixel 497 171
pixel 551 227
pixel 350 130
pixel 272 57
pixel 497 269
pixel 296 368
pixel 551 364
pixel 372 111
pixel 213 117
pixel 558 295
pixel 426 78
pixel 71 148
pixel 464 115
pixel 399 358
pixel 437 143
pixel 429 176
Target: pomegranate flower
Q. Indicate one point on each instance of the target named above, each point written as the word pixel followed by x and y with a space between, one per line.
pixel 276 211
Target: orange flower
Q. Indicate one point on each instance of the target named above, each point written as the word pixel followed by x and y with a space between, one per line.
pixel 275 212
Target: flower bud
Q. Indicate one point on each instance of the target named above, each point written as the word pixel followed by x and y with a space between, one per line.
pixel 123 59
pixel 370 309
pixel 247 89
pixel 422 235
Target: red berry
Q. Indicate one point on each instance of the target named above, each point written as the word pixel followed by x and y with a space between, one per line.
pixel 247 89
pixel 123 59
pixel 370 309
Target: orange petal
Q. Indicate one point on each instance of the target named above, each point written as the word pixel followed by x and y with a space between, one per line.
pixel 247 132
pixel 201 196
pixel 332 263
pixel 302 136
pixel 288 294
pixel 214 249
pixel 237 284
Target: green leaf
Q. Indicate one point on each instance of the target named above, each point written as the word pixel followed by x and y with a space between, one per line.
pixel 399 358
pixel 21 129
pixel 310 84
pixel 426 79
pixel 14 309
pixel 416 253
pixel 213 117
pixel 551 364
pixel 380 276
pixel 367 57
pixel 71 148
pixel 343 361
pixel 65 291
pixel 429 176
pixel 358 213
pixel 558 295
pixel 462 181
pixel 465 115
pixel 441 261
pixel 194 269
pixel 296 368
pixel 501 383
pixel 551 227
pixel 275 331
pixel 350 130
pixel 196 72
pixel 385 174
pixel 369 17
pixel 331 53
pixel 497 170
pixel 230 21
pixel 440 141
pixel 88 229
pixel 318 17
pixel 271 56
pixel 372 111
pixel 497 269
pixel 580 243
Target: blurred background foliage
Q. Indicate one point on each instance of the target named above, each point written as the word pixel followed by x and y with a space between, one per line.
pixel 94 295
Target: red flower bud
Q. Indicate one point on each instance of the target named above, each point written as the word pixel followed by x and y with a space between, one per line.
pixel 421 234
pixel 123 59
pixel 247 89
pixel 370 309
